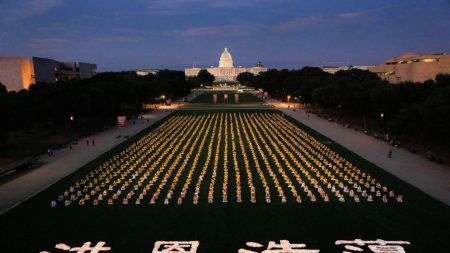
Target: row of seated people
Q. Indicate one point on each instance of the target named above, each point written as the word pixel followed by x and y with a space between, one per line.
pixel 190 147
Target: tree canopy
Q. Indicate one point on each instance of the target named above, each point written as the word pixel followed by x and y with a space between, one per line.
pixel 203 78
pixel 90 101
pixel 414 109
pixel 245 78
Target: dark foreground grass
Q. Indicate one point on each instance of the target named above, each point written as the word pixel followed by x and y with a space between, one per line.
pixel 244 98
pixel 35 226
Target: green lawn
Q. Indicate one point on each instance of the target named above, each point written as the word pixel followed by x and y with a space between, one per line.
pixel 207 97
pixel 224 227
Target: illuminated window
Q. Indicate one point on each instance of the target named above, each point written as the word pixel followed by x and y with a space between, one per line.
pixel 430 60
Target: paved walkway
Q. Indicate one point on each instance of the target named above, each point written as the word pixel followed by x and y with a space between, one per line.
pixel 66 161
pixel 431 178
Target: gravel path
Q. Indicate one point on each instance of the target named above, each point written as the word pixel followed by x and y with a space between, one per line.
pixel 66 161
pixel 431 178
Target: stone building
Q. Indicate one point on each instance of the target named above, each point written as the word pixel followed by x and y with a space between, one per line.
pixel 413 67
pixel 333 70
pixel 145 72
pixel 16 73
pixel 226 71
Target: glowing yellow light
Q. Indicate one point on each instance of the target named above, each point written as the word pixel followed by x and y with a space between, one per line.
pixel 429 60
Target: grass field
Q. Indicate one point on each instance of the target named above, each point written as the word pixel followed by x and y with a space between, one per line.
pixel 207 97
pixel 226 178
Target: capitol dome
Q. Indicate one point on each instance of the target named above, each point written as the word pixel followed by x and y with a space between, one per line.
pixel 225 60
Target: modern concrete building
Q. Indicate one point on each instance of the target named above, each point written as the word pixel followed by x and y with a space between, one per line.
pixel 19 73
pixel 226 70
pixel 50 71
pixel 86 70
pixel 413 67
pixel 16 73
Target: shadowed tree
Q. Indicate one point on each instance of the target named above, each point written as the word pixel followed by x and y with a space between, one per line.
pixel 93 102
pixel 246 78
pixel 3 89
pixel 4 131
pixel 443 80
pixel 205 78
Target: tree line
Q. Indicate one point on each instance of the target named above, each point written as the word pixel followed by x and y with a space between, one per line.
pixel 418 110
pixel 202 78
pixel 87 104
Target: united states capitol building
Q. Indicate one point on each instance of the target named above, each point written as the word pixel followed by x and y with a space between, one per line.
pixel 226 72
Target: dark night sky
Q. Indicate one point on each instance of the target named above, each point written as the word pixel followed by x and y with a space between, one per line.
pixel 123 35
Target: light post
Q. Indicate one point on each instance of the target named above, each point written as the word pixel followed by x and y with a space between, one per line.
pixel 296 101
pixel 71 120
pixel 288 100
pixel 339 112
pixel 382 124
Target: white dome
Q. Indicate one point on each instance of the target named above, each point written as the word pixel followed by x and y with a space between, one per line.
pixel 225 60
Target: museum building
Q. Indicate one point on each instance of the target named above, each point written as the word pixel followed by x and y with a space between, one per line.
pixel 412 67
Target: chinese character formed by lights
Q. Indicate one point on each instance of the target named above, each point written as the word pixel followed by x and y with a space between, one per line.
pixel 175 246
pixel 378 246
pixel 86 248
pixel 283 247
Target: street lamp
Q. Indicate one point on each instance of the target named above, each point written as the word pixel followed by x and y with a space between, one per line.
pixel 69 127
pixel 297 101
pixel 382 117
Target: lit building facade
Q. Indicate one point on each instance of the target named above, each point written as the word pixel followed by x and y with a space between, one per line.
pixel 145 72
pixel 16 73
pixel 333 70
pixel 50 71
pixel 226 72
pixel 412 67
